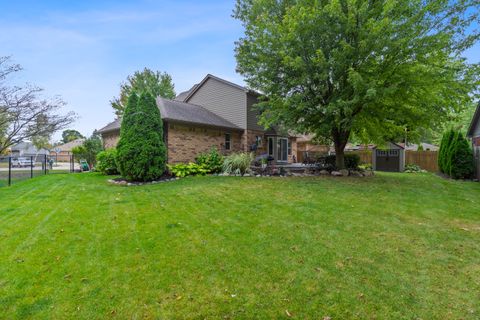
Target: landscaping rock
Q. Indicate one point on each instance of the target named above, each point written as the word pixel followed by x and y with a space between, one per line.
pixel 344 172
pixel 324 173
pixel 356 173
pixel 336 173
pixel 246 175
pixel 368 173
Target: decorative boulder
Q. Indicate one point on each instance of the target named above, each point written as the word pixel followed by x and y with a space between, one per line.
pixel 344 172
pixel 336 173
pixel 324 173
pixel 368 173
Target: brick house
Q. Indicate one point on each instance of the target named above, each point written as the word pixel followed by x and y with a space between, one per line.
pixel 218 113
pixel 474 134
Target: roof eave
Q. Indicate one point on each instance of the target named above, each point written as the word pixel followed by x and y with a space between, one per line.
pixel 474 122
pixel 201 124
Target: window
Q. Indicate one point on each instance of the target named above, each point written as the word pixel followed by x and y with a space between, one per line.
pixel 393 152
pixel 289 148
pixel 270 146
pixel 258 141
pixel 228 141
pixel 282 144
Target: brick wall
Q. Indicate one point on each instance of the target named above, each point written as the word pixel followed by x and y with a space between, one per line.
pixel 186 142
pixel 250 137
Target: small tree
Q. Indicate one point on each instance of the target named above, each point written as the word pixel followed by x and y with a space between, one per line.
pixel 461 158
pixel 89 149
pixel 141 152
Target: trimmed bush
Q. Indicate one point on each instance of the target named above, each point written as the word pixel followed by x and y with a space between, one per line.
pixel 141 152
pixel 237 163
pixel 460 158
pixel 212 161
pixel 107 162
pixel 352 161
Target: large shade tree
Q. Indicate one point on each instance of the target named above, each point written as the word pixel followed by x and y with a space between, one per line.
pixel 154 82
pixel 372 69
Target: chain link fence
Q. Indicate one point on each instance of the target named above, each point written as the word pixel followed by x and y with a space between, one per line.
pixel 14 169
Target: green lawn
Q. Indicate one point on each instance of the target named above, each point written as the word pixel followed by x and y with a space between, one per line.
pixel 396 246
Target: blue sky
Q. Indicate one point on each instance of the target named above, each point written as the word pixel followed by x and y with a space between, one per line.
pixel 82 50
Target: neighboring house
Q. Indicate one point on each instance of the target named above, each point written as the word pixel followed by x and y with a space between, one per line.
pixel 474 134
pixel 63 152
pixel 425 147
pixel 27 149
pixel 213 113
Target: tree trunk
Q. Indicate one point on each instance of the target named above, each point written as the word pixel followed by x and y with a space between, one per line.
pixel 339 157
pixel 340 140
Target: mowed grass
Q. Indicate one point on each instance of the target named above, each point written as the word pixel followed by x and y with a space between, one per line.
pixel 395 246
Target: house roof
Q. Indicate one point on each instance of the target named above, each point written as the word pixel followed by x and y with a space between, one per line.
pixel 400 145
pixel 190 113
pixel 27 147
pixel 183 95
pixel 473 124
pixel 70 145
pixel 183 112
pixel 425 146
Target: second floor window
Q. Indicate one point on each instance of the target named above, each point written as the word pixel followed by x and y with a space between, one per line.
pixel 228 141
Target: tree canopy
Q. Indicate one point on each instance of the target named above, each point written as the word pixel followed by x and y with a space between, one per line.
pixel 25 114
pixel 154 82
pixel 89 149
pixel 372 69
pixel 70 135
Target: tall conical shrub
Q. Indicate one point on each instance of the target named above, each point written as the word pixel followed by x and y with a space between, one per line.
pixel 461 158
pixel 444 149
pixel 141 152
pixel 441 152
pixel 452 141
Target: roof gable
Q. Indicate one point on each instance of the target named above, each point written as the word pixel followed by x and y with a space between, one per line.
pixel 195 88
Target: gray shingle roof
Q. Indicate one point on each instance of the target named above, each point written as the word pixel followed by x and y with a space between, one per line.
pixel 178 111
pixel 183 95
pixel 191 113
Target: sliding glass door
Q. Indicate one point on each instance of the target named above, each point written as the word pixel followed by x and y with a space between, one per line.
pixel 282 149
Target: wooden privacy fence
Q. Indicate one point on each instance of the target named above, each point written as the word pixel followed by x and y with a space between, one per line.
pixel 427 160
pixel 365 156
